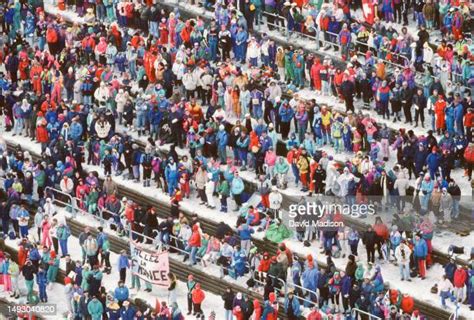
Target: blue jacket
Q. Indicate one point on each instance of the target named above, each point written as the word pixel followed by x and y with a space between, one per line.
pixel 286 113
pixel 30 24
pixel 420 159
pixel 41 278
pixel 449 270
pixel 34 255
pixel 266 143
pixel 123 262
pixel 222 138
pixel 127 314
pixel 5 266
pixel 260 128
pixel 245 232
pixel 421 249
pixel 237 186
pixel 75 130
pixel 155 116
pixel 346 285
pixel 427 186
pixel 433 161
pixel 121 293
pixel 310 279
pixel 171 172
pixel 458 112
pixel 295 306
pixel 239 261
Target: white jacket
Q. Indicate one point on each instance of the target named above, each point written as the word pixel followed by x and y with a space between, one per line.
pixel 205 81
pixel 401 184
pixel 398 253
pixel 66 185
pixel 49 209
pixel 178 70
pixel 275 199
pixel 190 81
pixel 121 100
pixel 427 55
pixel 253 50
pixel 101 94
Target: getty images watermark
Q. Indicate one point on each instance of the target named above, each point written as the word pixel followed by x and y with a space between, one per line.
pixel 326 215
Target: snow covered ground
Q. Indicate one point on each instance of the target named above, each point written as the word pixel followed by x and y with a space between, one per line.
pixel 417 288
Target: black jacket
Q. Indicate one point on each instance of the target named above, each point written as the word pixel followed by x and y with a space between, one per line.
pixel 369 239
pixel 228 298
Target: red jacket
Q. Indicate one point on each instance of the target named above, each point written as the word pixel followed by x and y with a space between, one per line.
pixel 264 264
pixel 195 240
pixel 460 276
pixel 257 310
pixel 237 312
pixel 51 35
pixel 130 214
pixel 42 134
pixel 469 119
pixel 198 295
pixel 314 315
pixel 469 154
pixel 407 304
pixel 381 230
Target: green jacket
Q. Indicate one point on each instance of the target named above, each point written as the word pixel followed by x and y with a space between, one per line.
pixel 223 188
pixel 53 271
pixel 85 276
pixel 95 309
pixel 359 274
pixel 41 179
pixel 106 246
pixel 289 66
pixel 203 248
pixel 281 167
pixel 277 233
pixel 92 197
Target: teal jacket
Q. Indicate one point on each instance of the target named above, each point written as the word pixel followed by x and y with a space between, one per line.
pixel 95 309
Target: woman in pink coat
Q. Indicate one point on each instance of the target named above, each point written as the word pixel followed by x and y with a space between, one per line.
pixel 46 238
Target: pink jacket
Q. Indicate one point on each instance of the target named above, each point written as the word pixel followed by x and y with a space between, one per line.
pixel 270 158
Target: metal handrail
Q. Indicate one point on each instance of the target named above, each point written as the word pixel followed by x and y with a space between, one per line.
pixel 305 292
pixel 52 191
pixel 371 316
